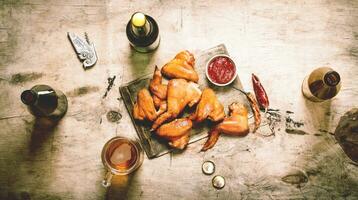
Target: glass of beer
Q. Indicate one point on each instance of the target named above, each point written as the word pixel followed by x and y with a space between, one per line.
pixel 120 156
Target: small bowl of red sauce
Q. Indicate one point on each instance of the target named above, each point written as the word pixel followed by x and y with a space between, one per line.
pixel 221 70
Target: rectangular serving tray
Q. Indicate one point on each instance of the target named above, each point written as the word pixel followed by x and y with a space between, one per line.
pixel 155 146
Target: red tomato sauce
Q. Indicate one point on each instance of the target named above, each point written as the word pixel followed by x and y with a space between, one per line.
pixel 221 70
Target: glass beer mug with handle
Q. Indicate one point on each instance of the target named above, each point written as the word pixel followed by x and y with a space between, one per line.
pixel 120 156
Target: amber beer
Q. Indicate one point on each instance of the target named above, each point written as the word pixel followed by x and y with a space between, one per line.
pixel 121 156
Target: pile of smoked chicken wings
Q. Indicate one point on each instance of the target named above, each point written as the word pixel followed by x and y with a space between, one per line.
pixel 162 105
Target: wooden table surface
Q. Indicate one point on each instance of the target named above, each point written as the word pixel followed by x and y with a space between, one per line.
pixel 280 41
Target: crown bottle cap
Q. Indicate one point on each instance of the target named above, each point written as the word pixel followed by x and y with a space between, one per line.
pixel 208 167
pixel 218 182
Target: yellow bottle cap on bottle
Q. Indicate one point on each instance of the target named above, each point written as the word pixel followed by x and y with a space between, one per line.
pixel 138 19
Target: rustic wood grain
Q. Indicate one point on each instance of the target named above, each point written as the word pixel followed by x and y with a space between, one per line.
pixel 280 41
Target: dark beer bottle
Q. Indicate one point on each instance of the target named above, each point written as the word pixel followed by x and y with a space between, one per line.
pixel 43 101
pixel 322 84
pixel 143 32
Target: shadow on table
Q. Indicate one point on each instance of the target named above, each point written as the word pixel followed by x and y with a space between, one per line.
pixel 28 168
pixel 320 168
pixel 42 130
pixel 120 187
pixel 319 113
pixel 139 62
pixel 324 169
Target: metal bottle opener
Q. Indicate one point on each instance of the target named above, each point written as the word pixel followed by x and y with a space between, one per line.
pixel 85 50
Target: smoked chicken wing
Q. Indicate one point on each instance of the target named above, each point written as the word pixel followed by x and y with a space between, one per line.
pixel 176 132
pixel 182 66
pixel 180 94
pixel 187 56
pixel 144 108
pixel 158 89
pixel 236 124
pixel 181 142
pixel 208 107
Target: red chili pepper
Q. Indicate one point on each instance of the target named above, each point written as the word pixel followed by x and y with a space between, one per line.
pixel 260 92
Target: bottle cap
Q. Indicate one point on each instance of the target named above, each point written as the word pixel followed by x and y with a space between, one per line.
pixel 28 97
pixel 208 167
pixel 138 19
pixel 332 78
pixel 218 182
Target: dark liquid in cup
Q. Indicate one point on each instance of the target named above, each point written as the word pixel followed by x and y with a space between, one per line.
pixel 122 155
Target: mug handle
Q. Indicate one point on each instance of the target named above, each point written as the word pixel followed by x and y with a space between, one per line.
pixel 107 179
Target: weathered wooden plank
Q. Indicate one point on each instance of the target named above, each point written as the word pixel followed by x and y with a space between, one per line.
pixel 280 41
